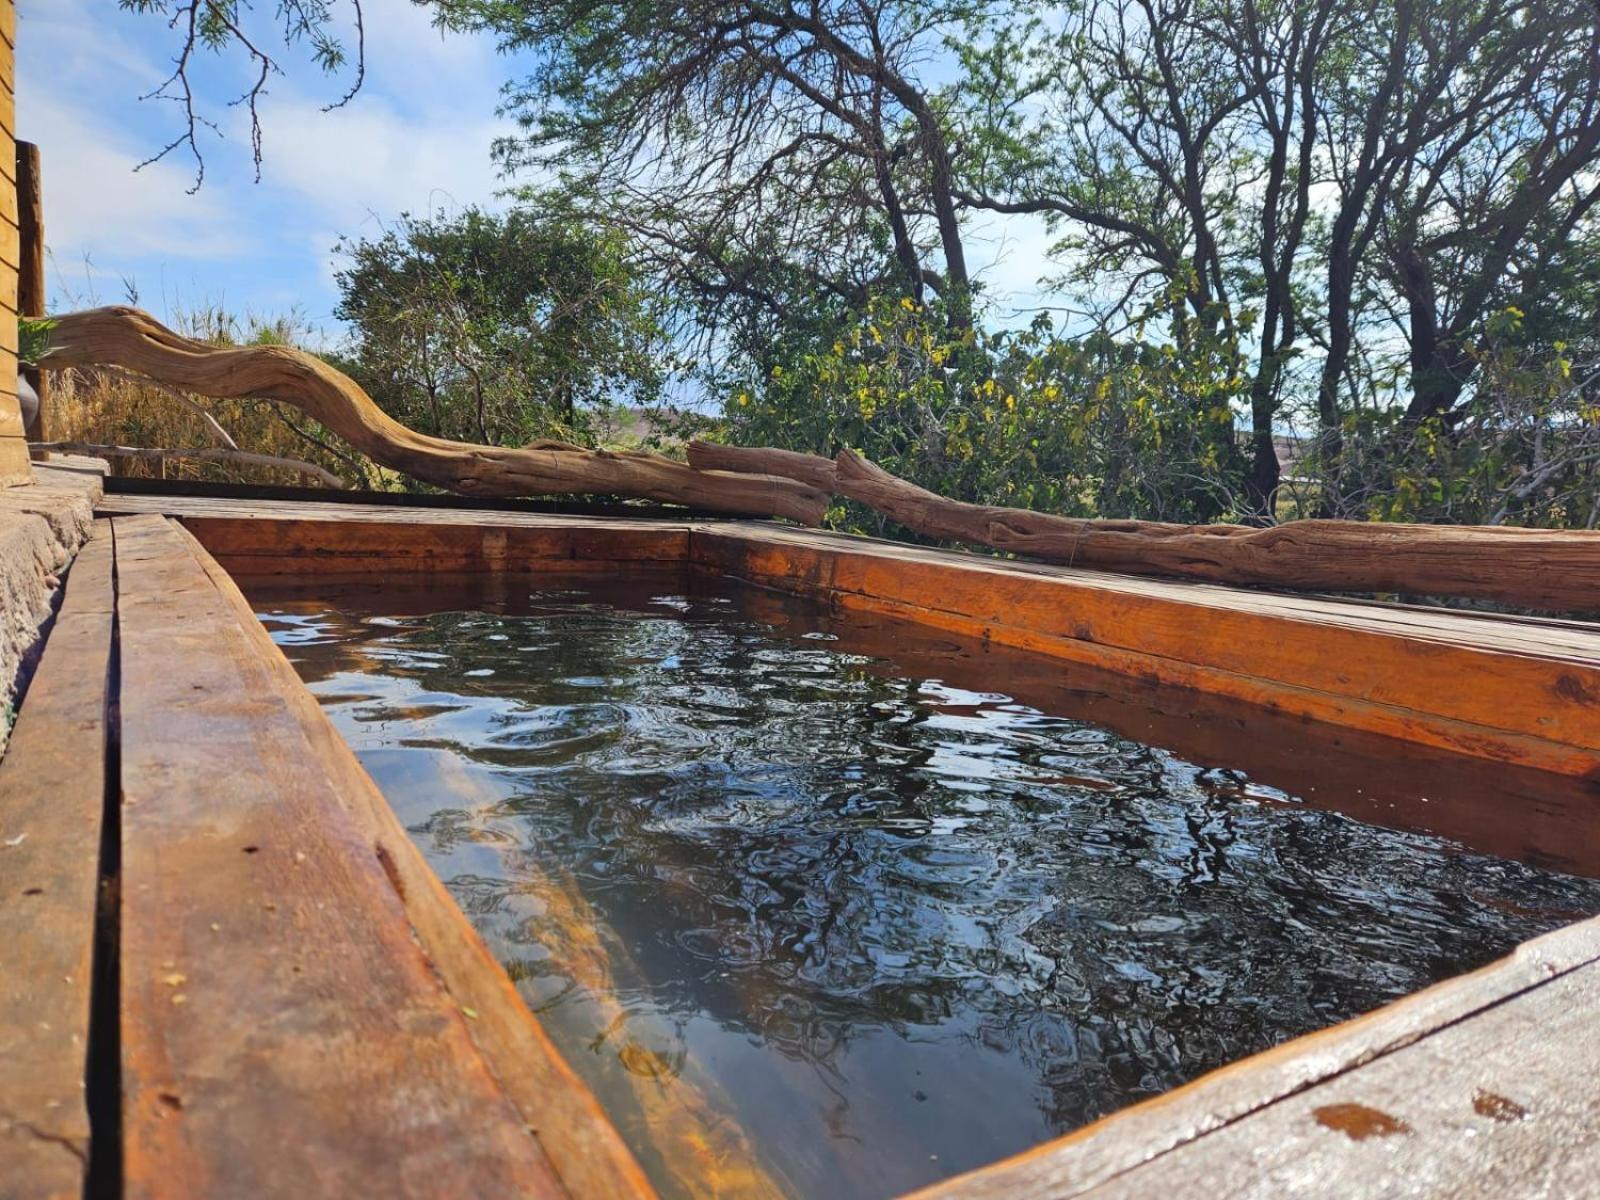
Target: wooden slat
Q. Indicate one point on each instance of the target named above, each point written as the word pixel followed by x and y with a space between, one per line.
pixel 250 547
pixel 14 465
pixel 52 797
pixel 282 1032
pixel 1513 691
pixel 569 1123
pixel 1501 1104
pixel 1167 1128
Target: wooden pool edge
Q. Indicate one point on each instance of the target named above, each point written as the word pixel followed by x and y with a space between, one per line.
pixel 1521 691
pixel 1125 1152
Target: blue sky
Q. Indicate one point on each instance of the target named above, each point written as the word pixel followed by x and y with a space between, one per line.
pixel 416 138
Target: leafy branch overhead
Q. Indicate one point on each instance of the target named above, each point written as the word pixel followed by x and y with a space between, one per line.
pixel 224 27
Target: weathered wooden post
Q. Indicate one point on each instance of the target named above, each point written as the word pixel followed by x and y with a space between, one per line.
pixel 30 279
pixel 14 466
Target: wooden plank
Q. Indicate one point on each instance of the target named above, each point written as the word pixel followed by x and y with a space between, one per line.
pixel 1532 700
pixel 1505 811
pixel 282 1032
pixel 52 798
pixel 1158 1130
pixel 1501 1104
pixel 569 1123
pixel 250 547
pixel 30 277
pixel 15 467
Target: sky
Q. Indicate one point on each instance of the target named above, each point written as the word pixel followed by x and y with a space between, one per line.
pixel 417 138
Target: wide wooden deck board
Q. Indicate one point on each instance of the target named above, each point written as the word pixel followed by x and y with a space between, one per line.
pixel 1320 1115
pixel 52 797
pixel 283 1033
pixel 1512 690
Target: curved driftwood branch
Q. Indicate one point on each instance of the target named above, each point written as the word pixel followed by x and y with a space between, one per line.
pixel 136 341
pixel 203 454
pixel 1551 569
pixel 763 460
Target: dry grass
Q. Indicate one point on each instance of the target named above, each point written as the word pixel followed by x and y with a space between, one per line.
pixel 110 408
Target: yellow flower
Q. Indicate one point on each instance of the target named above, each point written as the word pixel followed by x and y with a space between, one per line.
pixel 908 304
pixel 1011 403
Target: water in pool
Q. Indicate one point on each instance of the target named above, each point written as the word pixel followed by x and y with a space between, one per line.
pixel 820 920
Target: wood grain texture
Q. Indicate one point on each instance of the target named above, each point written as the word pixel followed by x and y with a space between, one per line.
pixel 556 1107
pixel 1174 1132
pixel 254 548
pixel 52 798
pixel 1513 690
pixel 1555 570
pixel 126 337
pixel 764 460
pixel 30 276
pixel 1507 1109
pixel 283 1034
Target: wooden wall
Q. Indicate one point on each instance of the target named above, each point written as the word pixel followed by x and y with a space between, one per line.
pixel 13 447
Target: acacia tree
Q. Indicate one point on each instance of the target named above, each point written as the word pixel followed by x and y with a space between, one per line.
pixel 500 329
pixel 756 148
pixel 1297 178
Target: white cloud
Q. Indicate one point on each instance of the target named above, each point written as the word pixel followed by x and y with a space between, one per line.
pixel 96 203
pixel 366 163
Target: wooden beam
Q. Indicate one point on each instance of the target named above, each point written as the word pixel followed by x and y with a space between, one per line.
pixel 31 277
pixel 284 1033
pixel 52 798
pixel 1550 569
pixel 1512 690
pixel 126 337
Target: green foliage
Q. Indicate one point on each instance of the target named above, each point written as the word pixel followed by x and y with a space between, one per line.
pixel 33 337
pixel 1026 418
pixel 1522 449
pixel 500 329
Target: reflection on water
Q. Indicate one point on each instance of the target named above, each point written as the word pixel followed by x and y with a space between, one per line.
pixel 807 923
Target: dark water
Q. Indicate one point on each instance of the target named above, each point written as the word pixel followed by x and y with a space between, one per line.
pixel 883 927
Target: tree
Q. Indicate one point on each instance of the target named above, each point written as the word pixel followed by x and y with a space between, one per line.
pixel 500 329
pixel 1297 177
pixel 756 148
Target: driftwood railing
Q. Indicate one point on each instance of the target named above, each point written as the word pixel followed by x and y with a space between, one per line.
pixel 136 341
pixel 1555 570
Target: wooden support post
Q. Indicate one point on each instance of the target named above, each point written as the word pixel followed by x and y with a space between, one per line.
pixel 14 466
pixel 30 278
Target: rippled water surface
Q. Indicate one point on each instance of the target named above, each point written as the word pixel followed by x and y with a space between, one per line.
pixel 810 922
